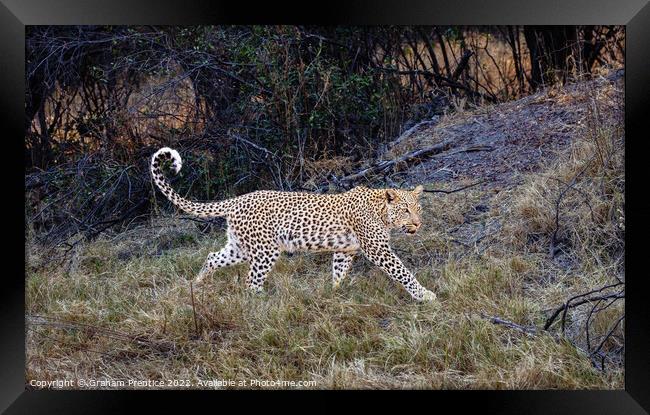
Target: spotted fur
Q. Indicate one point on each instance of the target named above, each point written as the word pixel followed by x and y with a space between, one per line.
pixel 263 224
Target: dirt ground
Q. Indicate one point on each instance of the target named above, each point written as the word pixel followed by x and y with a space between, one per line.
pixel 499 142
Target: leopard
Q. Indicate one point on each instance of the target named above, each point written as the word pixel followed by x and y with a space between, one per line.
pixel 263 224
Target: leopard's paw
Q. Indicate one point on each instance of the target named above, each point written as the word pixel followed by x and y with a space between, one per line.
pixel 428 296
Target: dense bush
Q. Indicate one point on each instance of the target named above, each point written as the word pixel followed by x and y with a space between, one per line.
pixel 252 107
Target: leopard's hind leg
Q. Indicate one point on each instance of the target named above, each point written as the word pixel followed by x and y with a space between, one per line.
pixel 341 262
pixel 260 265
pixel 231 254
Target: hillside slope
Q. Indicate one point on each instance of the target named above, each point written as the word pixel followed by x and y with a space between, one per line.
pixel 499 141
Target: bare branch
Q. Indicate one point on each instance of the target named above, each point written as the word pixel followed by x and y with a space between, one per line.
pixel 455 190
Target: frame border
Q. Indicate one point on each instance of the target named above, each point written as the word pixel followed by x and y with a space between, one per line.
pixel 635 14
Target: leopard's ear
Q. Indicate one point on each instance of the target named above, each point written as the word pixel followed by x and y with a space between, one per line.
pixel 418 190
pixel 391 195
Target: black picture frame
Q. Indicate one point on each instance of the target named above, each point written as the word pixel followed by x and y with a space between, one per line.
pixel 635 14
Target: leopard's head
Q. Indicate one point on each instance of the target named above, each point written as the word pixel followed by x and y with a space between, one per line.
pixel 403 209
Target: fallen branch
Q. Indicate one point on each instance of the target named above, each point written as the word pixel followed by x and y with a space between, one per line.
pixel 70 345
pixel 570 304
pixel 472 149
pixel 597 299
pixel 159 346
pixel 406 158
pixel 500 321
pixel 455 190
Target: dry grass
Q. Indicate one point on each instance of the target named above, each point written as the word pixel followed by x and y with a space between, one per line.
pixel 122 308
pixel 569 219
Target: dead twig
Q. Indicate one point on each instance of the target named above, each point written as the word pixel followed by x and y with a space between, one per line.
pixel 159 346
pixel 196 325
pixel 582 192
pixel 455 190
pixel 255 146
pixel 529 330
pixel 553 245
pixel 570 304
pixel 406 158
pixel 608 335
pixel 472 149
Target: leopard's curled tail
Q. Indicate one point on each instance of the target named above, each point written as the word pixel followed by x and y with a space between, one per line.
pixel 203 210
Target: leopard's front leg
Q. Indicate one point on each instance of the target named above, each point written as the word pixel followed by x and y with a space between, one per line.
pixel 378 251
pixel 390 263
